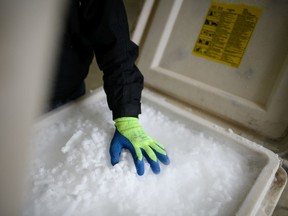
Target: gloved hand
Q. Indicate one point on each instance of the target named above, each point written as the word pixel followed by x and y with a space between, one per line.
pixel 130 134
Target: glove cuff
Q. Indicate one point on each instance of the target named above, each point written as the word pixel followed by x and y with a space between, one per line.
pixel 126 123
pixel 125 119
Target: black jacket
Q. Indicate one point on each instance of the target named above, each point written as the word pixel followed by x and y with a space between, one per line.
pixel 100 27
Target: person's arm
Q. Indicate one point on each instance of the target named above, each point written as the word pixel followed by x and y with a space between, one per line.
pixel 104 24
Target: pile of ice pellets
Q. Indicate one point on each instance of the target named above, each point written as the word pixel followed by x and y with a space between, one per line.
pixel 71 172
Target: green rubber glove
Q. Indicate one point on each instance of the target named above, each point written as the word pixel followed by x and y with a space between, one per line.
pixel 130 134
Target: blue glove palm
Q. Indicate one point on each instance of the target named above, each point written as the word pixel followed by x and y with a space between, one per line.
pixel 130 134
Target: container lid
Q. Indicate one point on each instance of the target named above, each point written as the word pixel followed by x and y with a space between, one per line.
pixel 229 59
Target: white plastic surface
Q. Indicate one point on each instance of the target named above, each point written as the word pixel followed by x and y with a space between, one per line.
pixel 264 162
pixel 253 95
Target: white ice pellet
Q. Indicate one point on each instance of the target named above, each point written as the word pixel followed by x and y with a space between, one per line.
pixel 205 177
pixel 73 141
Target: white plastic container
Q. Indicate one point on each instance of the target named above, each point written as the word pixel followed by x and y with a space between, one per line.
pixel 262 195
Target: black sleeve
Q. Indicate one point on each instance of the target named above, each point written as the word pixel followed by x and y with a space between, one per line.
pixel 104 23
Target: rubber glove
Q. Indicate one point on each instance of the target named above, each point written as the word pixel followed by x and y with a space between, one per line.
pixel 130 134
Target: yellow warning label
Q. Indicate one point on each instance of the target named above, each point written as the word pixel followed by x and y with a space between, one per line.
pixel 226 32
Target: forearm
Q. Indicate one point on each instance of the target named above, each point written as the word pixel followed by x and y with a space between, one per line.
pixel 106 28
pixel 123 85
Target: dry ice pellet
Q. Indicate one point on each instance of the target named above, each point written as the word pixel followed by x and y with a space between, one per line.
pixel 71 172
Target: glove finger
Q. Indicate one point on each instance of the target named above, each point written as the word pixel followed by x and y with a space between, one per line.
pixel 137 157
pixel 156 148
pixel 139 164
pixel 160 145
pixel 115 151
pixel 163 158
pixel 116 147
pixel 160 153
pixel 147 152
